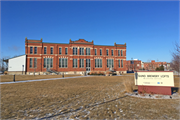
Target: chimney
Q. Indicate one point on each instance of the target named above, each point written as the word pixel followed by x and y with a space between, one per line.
pixel 114 43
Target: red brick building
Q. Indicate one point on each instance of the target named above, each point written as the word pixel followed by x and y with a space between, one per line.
pixel 73 57
pixel 153 65
pixel 133 65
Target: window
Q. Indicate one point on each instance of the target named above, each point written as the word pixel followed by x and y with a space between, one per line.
pixel 44 50
pixel 88 63
pixel 51 62
pixel 121 63
pixel 118 52
pixel 100 51
pixel 31 50
pixel 87 51
pixel 112 52
pixel 62 62
pixel 81 63
pixel 30 65
pixel 74 63
pixel 121 53
pixel 51 50
pixel 98 63
pixel 66 51
pixel 107 52
pixel 35 62
pixel 74 50
pixel 110 63
pixel 45 62
pixel 95 52
pixel 60 51
pixel 81 51
pixel 35 50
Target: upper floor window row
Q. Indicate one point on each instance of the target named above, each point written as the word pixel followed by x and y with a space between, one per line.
pixel 31 50
pixel 120 52
pixel 60 51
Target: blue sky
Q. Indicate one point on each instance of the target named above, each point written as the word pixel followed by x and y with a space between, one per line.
pixel 149 29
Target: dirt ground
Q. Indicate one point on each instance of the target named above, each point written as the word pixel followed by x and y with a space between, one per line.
pixel 82 98
pixel 9 78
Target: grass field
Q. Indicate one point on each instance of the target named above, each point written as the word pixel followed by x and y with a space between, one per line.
pixel 9 78
pixel 83 98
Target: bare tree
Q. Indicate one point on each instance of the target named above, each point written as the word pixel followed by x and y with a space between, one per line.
pixel 4 64
pixel 176 58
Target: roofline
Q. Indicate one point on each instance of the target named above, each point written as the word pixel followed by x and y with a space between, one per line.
pixel 77 43
pixel 16 56
pixel 55 43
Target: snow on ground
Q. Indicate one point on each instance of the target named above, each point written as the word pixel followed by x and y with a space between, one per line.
pixel 154 96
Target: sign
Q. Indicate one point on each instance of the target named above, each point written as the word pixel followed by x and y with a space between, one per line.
pixel 154 78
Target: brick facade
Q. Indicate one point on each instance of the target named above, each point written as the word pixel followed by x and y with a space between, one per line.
pixel 79 44
pixel 133 65
pixel 153 65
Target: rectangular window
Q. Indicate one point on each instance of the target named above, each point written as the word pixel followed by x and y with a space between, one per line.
pixel 74 50
pixel 44 50
pixel 66 51
pixel 74 63
pixel 110 63
pixel 121 53
pixel 119 63
pixel 107 52
pixel 31 60
pixel 60 51
pixel 51 63
pixel 100 51
pixel 81 63
pixel 35 50
pixel 118 52
pixel 87 51
pixel 35 62
pixel 122 63
pixel 81 51
pixel 88 62
pixel 31 50
pixel 112 52
pixel 65 62
pixel 51 50
pixel 98 63
pixel 62 62
pixel 45 62
pixel 95 52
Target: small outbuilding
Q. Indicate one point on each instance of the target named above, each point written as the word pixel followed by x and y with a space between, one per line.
pixel 17 65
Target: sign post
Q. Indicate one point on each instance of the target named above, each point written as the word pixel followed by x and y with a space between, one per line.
pixel 155 82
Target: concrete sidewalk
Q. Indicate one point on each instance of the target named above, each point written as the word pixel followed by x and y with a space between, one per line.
pixel 42 80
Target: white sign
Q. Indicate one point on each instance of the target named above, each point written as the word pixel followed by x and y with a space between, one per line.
pixel 154 78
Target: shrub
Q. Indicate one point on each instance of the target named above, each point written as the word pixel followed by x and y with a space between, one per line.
pixel 5 72
pixel 96 73
pixel 129 84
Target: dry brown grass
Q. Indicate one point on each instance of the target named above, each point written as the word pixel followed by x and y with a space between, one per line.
pixel 85 98
pixel 9 78
pixel 129 84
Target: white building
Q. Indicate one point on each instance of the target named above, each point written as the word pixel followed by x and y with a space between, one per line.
pixel 17 65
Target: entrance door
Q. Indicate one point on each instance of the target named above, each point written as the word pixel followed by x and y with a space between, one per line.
pixel 88 65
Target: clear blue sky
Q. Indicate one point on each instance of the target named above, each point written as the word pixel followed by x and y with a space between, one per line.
pixel 149 29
